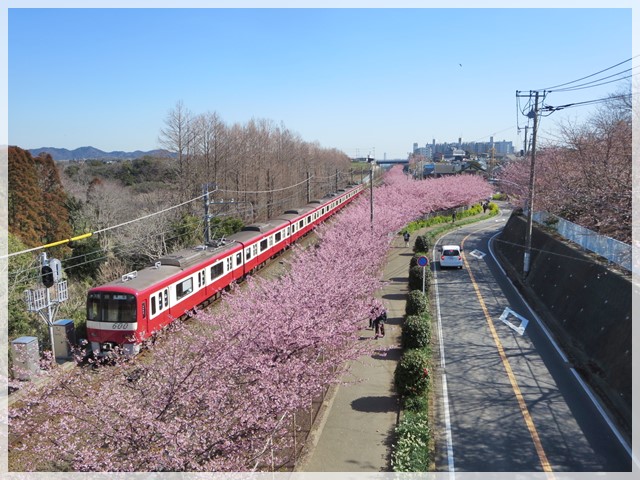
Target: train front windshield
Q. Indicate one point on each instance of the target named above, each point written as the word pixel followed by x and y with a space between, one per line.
pixel 111 307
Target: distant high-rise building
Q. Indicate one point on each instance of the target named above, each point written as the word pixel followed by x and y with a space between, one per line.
pixel 500 149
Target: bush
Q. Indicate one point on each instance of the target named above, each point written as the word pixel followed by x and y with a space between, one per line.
pixel 411 376
pixel 416 403
pixel 475 209
pixel 416 331
pixel 415 278
pixel 422 244
pixel 417 303
pixel 411 452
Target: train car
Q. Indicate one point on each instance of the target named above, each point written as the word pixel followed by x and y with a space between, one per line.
pixel 262 241
pixel 301 220
pixel 128 310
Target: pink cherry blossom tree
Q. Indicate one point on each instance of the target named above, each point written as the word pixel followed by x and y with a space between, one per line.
pixel 585 176
pixel 216 393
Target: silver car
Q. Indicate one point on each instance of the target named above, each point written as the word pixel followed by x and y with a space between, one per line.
pixel 451 256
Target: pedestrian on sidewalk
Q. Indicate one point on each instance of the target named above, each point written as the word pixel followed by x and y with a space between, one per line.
pixel 407 237
pixel 378 324
pixel 453 217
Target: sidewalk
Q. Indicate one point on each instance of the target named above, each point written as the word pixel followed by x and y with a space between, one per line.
pixel 355 428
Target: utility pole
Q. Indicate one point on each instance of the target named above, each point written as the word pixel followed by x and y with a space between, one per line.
pixel 371 160
pixel 308 187
pixel 532 177
pixel 207 217
pixel 526 136
pixel 269 195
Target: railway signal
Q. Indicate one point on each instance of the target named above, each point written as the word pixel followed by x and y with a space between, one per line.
pixel 46 301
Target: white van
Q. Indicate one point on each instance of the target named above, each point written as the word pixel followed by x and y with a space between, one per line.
pixel 451 256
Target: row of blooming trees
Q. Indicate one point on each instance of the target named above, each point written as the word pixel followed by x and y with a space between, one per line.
pixel 211 395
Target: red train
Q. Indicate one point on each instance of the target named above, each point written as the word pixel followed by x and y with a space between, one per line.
pixel 126 311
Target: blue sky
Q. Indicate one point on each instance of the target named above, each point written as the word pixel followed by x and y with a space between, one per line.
pixel 362 80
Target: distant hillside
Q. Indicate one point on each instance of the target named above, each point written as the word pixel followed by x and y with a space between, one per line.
pixel 90 153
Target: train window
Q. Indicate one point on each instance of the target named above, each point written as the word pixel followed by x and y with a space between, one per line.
pixel 263 245
pixel 229 264
pixel 308 219
pixel 271 241
pixel 166 297
pixel 200 279
pixel 159 300
pixel 93 307
pixel 247 254
pixel 278 236
pixel 255 250
pixel 217 270
pixel 293 229
pixel 184 288
pixel 239 258
pixel 301 223
pixel 153 305
pixel 111 307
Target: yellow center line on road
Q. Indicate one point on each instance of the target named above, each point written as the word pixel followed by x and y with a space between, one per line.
pixel 544 462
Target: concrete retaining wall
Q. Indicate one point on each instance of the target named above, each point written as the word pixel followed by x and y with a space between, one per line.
pixel 586 306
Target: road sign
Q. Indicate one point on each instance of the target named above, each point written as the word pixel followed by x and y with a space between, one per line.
pixel 423 261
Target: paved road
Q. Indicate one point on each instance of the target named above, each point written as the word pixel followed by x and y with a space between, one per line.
pixel 514 404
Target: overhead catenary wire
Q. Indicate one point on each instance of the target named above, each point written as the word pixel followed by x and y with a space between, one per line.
pixel 266 191
pixel 102 230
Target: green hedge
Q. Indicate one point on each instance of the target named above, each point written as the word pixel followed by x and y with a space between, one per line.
pixel 473 210
pixel 415 278
pixel 416 331
pixel 422 244
pixel 411 451
pixel 416 403
pixel 412 376
pixel 417 303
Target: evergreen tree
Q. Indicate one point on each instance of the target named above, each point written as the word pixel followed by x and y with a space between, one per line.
pixel 37 211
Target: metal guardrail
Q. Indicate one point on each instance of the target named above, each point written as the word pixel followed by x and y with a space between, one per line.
pixel 613 250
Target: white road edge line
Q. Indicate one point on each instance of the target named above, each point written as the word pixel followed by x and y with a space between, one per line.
pixel 445 391
pixel 604 415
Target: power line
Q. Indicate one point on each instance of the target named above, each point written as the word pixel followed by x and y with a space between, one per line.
pixel 593 84
pixel 592 75
pixel 586 102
